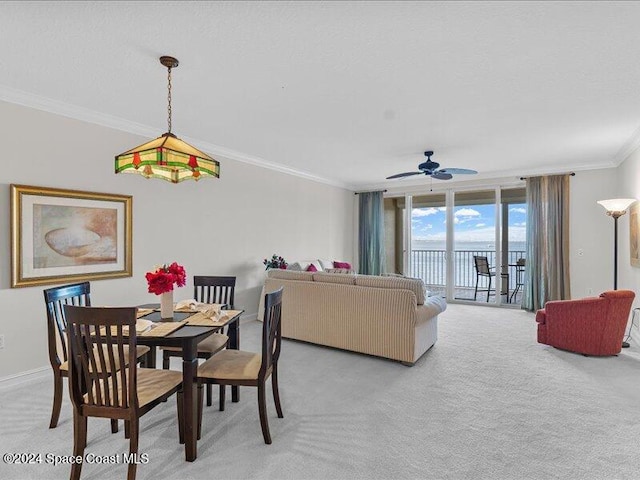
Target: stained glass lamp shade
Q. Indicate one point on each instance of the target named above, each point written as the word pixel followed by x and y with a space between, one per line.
pixel 167 156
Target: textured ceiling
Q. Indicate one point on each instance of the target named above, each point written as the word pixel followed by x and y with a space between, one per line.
pixel 349 92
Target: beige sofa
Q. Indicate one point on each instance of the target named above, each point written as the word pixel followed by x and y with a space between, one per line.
pixel 384 316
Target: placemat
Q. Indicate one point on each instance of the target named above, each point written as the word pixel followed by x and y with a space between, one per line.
pixel 200 307
pixel 143 311
pixel 162 329
pixel 199 320
pixel 142 325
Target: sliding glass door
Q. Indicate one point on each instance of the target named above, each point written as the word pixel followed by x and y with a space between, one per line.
pixel 474 246
pixel 468 246
pixel 428 259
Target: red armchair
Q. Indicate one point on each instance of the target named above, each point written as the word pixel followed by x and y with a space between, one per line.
pixel 591 326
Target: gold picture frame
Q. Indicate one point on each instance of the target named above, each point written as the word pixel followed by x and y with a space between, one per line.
pixel 634 234
pixel 62 236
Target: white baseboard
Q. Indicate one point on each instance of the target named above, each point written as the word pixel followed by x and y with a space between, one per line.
pixel 22 377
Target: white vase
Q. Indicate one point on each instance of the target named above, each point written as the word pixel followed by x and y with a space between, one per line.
pixel 166 304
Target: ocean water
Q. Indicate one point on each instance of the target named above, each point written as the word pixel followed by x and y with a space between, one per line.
pixel 472 246
pixel 431 265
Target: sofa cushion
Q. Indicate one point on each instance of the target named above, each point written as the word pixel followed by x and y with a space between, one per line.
pixel 416 285
pixel 295 266
pixel 334 278
pixel 341 265
pixel 289 274
pixel 303 265
pixel 325 264
pixel 340 270
pixel 311 268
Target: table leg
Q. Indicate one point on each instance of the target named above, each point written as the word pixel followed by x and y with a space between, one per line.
pixel 150 357
pixel 190 405
pixel 234 344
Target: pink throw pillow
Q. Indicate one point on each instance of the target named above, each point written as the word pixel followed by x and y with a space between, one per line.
pixel 312 268
pixel 341 265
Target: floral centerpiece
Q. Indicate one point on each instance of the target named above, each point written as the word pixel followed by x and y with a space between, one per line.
pixel 275 262
pixel 161 282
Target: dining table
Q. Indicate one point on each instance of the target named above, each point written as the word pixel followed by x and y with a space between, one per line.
pixel 187 336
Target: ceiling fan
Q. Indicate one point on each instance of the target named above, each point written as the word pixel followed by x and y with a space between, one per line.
pixel 431 169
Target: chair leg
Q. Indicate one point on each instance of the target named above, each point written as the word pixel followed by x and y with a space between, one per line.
pixel 276 393
pixel 489 289
pixel 223 393
pixel 127 429
pixel 475 293
pixel 57 399
pixel 180 402
pixel 209 394
pixel 165 360
pixel 133 448
pixel 200 395
pixel 262 409
pixel 114 425
pixel 79 442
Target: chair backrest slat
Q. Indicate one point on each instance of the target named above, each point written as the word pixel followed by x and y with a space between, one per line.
pixel 214 289
pixel 271 330
pixel 99 363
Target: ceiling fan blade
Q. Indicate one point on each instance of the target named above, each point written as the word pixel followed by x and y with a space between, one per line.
pixel 405 174
pixel 441 175
pixel 458 171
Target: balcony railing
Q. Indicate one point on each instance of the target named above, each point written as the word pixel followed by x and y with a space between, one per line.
pixel 431 267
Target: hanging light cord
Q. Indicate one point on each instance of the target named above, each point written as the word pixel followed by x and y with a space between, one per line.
pixel 169 99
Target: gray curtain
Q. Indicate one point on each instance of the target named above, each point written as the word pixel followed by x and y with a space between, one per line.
pixel 371 233
pixel 547 271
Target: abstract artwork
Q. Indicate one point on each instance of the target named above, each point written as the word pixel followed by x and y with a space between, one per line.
pixel 60 236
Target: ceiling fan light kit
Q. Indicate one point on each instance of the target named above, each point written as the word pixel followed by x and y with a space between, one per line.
pixel 433 170
pixel 167 156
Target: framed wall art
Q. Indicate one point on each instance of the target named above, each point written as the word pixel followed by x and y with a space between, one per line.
pixel 634 234
pixel 64 236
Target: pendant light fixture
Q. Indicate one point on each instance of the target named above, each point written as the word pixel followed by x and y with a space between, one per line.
pixel 167 156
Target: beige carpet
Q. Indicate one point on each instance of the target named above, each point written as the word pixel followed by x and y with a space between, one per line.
pixel 487 402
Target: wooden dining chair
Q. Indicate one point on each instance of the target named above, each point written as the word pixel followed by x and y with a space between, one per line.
pixel 99 338
pixel 236 367
pixel 207 289
pixel 55 298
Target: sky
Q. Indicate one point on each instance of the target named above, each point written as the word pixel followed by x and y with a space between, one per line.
pixel 474 223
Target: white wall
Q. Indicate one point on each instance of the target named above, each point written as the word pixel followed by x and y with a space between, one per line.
pixel 592 233
pixel 628 180
pixel 214 227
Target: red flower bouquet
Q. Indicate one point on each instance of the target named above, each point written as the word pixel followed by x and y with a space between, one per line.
pixel 162 279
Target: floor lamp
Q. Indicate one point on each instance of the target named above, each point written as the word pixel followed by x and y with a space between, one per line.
pixel 616 207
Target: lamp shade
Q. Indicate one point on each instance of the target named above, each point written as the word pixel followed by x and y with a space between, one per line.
pixel 169 158
pixel 618 205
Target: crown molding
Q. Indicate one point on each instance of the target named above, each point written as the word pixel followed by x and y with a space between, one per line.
pixel 630 146
pixel 38 102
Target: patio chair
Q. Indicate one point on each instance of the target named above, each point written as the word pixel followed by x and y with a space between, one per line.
pixel 483 269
